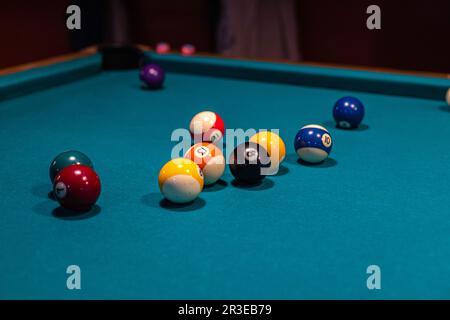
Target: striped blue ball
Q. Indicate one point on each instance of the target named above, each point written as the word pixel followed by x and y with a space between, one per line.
pixel 313 143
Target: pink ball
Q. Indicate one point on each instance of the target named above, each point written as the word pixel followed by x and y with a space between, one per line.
pixel 187 50
pixel 162 48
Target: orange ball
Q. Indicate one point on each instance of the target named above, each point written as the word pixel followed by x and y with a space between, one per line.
pixel 209 158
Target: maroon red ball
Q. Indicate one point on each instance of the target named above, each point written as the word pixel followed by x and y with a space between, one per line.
pixel 77 187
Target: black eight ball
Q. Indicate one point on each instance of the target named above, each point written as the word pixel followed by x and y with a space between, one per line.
pixel 247 162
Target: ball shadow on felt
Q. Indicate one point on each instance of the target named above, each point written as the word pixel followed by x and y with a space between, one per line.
pixel 64 214
pixel 257 186
pixel 156 200
pixel 182 207
pixel 327 163
pixel 219 185
pixel 144 87
pixel 43 190
pixel 282 170
pixel 332 124
pixel 445 108
pixel 293 158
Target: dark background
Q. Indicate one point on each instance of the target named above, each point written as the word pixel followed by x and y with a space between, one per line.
pixel 415 34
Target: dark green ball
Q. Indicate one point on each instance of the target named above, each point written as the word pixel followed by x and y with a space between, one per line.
pixel 68 158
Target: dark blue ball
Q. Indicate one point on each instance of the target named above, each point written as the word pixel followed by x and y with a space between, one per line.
pixel 348 112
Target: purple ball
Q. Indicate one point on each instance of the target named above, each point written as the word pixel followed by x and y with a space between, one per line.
pixel 152 75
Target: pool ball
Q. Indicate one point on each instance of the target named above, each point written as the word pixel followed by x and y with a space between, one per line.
pixel 348 112
pixel 180 180
pixel 210 160
pixel 248 161
pixel 447 97
pixel 162 48
pixel 77 187
pixel 207 126
pixel 152 75
pixel 187 49
pixel 68 158
pixel 274 146
pixel 313 143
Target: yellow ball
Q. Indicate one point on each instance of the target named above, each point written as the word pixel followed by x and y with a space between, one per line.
pixel 272 143
pixel 180 180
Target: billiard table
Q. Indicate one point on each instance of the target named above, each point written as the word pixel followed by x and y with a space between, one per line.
pixel 310 232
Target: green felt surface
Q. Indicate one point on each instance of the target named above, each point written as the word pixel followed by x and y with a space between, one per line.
pixel 310 232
